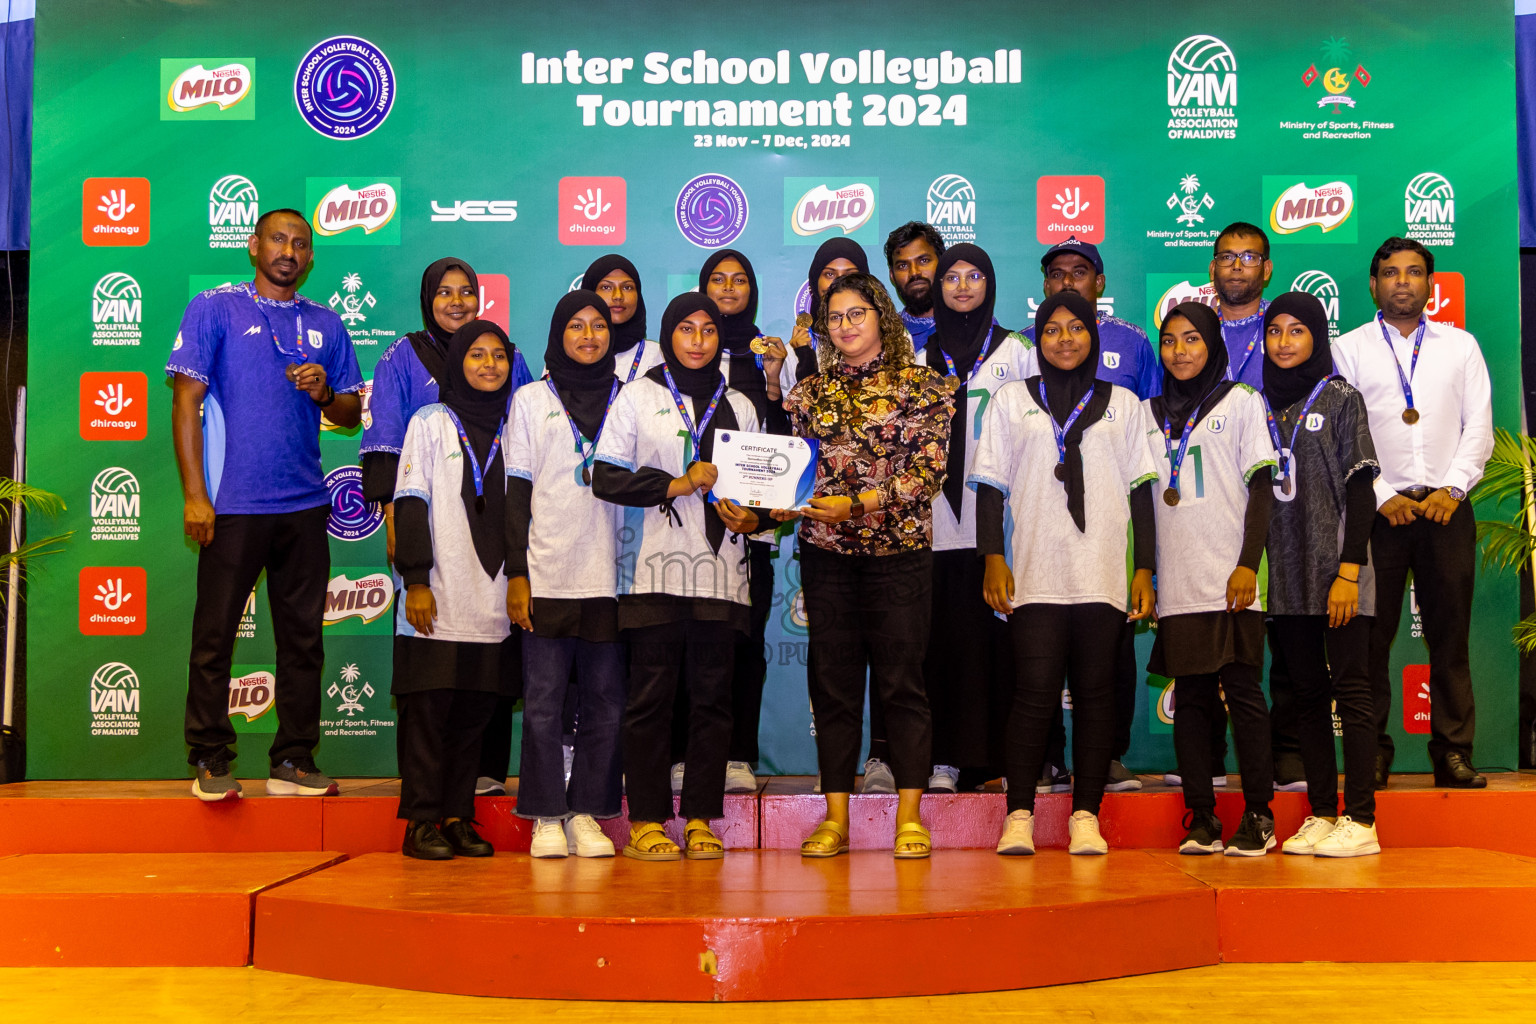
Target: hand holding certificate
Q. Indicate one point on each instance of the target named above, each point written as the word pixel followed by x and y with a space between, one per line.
pixel 763 471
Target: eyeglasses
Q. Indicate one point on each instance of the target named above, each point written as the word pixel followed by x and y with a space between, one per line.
pixel 1248 256
pixel 854 316
pixel 606 288
pixel 1060 274
pixel 953 280
pixel 737 280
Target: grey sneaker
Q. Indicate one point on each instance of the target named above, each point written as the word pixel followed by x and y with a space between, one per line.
pixel 677 778
pixel 487 786
pixel 739 777
pixel 1120 779
pixel 215 782
pixel 878 777
pixel 300 777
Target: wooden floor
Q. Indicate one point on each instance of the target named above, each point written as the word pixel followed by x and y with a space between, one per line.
pixel 1397 993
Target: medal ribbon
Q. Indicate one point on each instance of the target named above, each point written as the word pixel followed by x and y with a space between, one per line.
pixel 586 456
pixel 633 367
pixel 1274 429
pixel 298 320
pixel 986 347
pixel 1418 339
pixel 1061 431
pixel 469 453
pixel 709 413
pixel 1176 461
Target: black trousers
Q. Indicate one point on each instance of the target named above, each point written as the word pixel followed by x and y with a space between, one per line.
pixel 1054 643
pixel 660 659
pixel 1443 561
pixel 437 740
pixel 1330 666
pixel 968 671
pixel 292 548
pixel 496 745
pixel 1127 678
pixel 868 613
pixel 1197 699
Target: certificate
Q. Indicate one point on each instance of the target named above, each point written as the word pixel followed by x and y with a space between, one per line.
pixel 764 470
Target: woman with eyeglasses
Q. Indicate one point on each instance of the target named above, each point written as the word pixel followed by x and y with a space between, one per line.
pixel 866 547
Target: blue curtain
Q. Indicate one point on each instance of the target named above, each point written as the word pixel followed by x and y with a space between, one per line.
pixel 16 40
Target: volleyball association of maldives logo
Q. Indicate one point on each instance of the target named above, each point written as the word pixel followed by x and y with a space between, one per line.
pixel 352 517
pixel 951 208
pixel 1202 89
pixel 114 700
pixel 1429 209
pixel 345 87
pixel 1322 285
pixel 711 211
pixel 117 310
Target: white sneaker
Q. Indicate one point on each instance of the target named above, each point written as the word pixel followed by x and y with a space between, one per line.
pixel 1018 836
pixel 878 777
pixel 1349 838
pixel 1305 841
pixel 548 839
pixel 1083 834
pixel 677 778
pixel 487 786
pixel 945 779
pixel 1173 779
pixel 739 777
pixel 584 837
pixel 568 755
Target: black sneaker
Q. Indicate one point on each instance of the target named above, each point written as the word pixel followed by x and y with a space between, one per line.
pixel 1054 779
pixel 424 842
pixel 466 842
pixel 1203 835
pixel 298 776
pixel 214 782
pixel 1255 836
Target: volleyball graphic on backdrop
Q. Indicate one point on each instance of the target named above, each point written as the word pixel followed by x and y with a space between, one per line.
pixel 711 211
pixel 345 87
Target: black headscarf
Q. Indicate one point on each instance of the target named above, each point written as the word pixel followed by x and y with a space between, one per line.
pixel 737 332
pixel 831 250
pixel 431 345
pixel 627 335
pixel 961 336
pixel 1284 388
pixel 482 413
pixel 699 385
pixel 1205 389
pixel 583 389
pixel 1065 388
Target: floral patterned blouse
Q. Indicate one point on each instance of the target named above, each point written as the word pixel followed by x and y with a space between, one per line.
pixel 880 429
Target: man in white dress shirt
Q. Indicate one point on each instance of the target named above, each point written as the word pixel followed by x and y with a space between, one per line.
pixel 1427 391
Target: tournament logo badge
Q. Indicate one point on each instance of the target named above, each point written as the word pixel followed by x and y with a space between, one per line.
pixel 117 311
pixel 711 211
pixel 352 516
pixel 114 700
pixel 345 215
pixel 1202 89
pixel 1069 206
pixel 1315 282
pixel 232 212
pixel 207 89
pixel 344 87
pixel 815 206
pixel 1296 208
pixel 1335 79
pixel 952 208
pixel 1429 208
pixel 115 505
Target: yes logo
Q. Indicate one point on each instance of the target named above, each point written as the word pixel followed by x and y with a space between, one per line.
pixel 115 211
pixel 593 211
pixel 112 601
pixel 114 406
pixel 1069 205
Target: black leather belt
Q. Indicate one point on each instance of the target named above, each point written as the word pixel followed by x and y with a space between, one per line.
pixel 1416 493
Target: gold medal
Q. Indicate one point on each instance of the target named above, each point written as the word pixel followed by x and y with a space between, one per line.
pixel 1410 416
pixel 804 321
pixel 1171 497
pixel 759 346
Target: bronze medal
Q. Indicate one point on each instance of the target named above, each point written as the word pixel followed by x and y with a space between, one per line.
pixel 1171 497
pixel 1410 416
pixel 1285 485
pixel 586 475
pixel 1061 471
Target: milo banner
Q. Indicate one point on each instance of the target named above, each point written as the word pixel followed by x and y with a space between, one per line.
pixel 528 139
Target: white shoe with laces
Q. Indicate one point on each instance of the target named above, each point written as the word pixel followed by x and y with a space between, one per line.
pixel 1083 834
pixel 1349 838
pixel 1018 835
pixel 677 778
pixel 487 786
pixel 739 777
pixel 548 839
pixel 1313 831
pixel 945 779
pixel 878 777
pixel 585 838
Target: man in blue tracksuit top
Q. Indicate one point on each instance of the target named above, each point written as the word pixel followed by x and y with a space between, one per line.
pixel 1240 268
pixel 912 254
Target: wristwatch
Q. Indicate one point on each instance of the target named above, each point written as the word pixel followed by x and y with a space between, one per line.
pixel 330 396
pixel 856 509
pixel 1457 493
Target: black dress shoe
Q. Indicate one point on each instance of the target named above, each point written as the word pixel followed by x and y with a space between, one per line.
pixel 424 842
pixel 1456 772
pixel 465 841
pixel 1383 769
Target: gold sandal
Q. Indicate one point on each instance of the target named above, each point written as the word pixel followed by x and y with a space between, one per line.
pixel 634 849
pixel 706 835
pixel 831 830
pixel 913 834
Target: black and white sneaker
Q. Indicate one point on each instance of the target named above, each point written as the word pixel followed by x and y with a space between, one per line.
pixel 1203 834
pixel 1255 836
pixel 215 783
pixel 1054 779
pixel 298 776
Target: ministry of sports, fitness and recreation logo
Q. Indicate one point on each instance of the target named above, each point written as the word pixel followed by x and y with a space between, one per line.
pixel 348 690
pixel 114 700
pixel 815 206
pixel 344 87
pixel 1202 89
pixel 1190 203
pixel 351 305
pixel 233 209
pixel 1336 81
pixel 207 88
pixel 1316 282
pixel 117 311
pixel 348 215
pixel 115 505
pixel 952 208
pixel 711 211
pixel 1429 208
pixel 352 516
pixel 1297 207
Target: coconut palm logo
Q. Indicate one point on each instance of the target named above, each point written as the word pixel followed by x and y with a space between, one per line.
pixel 351 694
pixel 1191 202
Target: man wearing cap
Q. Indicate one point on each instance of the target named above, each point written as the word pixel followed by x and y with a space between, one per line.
pixel 1127 361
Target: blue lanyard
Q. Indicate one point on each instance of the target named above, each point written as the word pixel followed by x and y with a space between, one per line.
pixel 298 320
pixel 1176 461
pixel 1274 432
pixel 1252 345
pixel 586 456
pixel 709 414
pixel 1061 431
pixel 986 347
pixel 634 367
pixel 469 453
pixel 1410 414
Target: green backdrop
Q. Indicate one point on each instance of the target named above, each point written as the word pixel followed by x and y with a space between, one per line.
pixel 1139 128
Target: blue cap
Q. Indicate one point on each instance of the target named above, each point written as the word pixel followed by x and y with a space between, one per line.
pixel 1087 250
